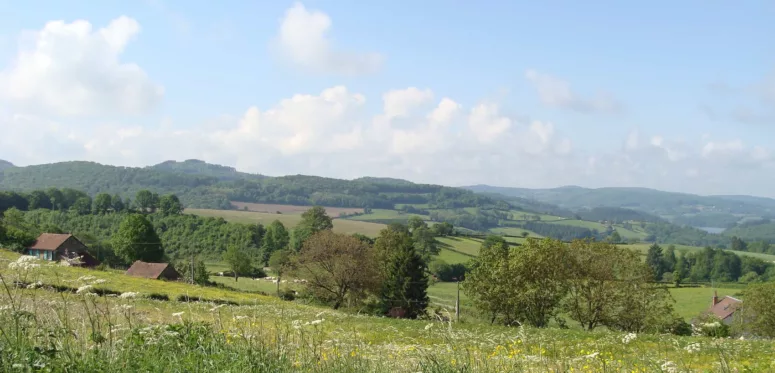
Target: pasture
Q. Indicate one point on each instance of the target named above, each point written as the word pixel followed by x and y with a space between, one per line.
pixel 130 333
pixel 290 209
pixel 289 220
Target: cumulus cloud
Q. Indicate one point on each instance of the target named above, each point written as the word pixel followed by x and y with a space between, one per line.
pixel 556 92
pixel 72 69
pixel 303 39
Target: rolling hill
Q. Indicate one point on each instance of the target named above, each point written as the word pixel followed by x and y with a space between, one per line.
pixel 683 208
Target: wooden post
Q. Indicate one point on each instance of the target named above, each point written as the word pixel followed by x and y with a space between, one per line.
pixel 457 303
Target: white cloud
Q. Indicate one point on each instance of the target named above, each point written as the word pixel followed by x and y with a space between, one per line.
pixel 399 102
pixel 556 92
pixel 303 39
pixel 71 69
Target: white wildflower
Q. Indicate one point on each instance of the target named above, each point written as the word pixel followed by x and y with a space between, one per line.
pixel 240 317
pixel 35 285
pixel 99 281
pixel 177 314
pixel 129 294
pixel 216 307
pixel 84 289
pixel 429 326
pixel 315 322
pixel 692 348
pixel 17 366
pixel 669 367
pixel 296 324
pixel 629 338
pixel 86 278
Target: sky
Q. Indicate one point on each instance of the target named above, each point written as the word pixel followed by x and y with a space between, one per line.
pixel 678 96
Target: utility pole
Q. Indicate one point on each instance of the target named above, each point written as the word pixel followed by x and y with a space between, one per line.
pixel 457 302
pixel 192 267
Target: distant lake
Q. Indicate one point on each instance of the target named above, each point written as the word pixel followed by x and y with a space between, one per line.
pixel 713 230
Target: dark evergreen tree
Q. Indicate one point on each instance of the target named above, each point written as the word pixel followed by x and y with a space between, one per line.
pixel 404 279
pixel 655 260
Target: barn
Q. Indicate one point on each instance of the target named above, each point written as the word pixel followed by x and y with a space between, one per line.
pixel 156 271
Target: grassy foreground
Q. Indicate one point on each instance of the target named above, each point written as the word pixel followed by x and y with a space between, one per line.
pixel 42 329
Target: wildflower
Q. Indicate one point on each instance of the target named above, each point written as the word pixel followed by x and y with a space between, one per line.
pixel 669 367
pixel 216 307
pixel 315 322
pixel 86 278
pixel 99 281
pixel 629 338
pixel 129 294
pixel 240 317
pixel 178 314
pixel 17 366
pixel 35 285
pixel 692 348
pixel 427 327
pixel 84 289
pixel 296 324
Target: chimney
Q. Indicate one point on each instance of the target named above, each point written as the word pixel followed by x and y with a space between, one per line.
pixel 715 298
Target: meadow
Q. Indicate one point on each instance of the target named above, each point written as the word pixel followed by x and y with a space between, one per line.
pixel 289 220
pixel 46 330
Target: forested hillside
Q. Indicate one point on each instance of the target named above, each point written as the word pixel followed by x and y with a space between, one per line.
pixel 680 208
pixel 210 186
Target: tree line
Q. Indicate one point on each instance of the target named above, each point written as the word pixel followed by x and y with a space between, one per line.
pixel 706 265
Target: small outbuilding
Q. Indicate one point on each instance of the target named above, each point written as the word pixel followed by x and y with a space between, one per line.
pixel 62 248
pixel 156 271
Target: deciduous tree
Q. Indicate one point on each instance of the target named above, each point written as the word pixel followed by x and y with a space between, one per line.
pixel 137 240
pixel 238 260
pixel 337 267
pixel 170 205
pixel 102 203
pixel 275 239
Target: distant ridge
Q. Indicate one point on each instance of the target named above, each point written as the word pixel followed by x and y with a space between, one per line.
pixel 5 164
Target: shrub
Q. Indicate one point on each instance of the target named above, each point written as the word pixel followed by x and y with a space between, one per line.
pixel 288 295
pixel 158 296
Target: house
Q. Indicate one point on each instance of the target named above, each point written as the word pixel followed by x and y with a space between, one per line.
pixel 62 247
pixel 156 271
pixel 724 308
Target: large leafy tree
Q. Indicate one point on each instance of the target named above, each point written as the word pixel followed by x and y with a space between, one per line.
pixel 170 205
pixel 600 276
pixel 275 238
pixel 136 239
pixel 144 200
pixel 117 204
pixel 337 267
pixel 483 283
pixel 758 311
pixel 82 206
pixel 403 272
pixel 103 202
pixel 238 260
pixel 312 221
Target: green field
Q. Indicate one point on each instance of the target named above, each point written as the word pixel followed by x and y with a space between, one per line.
pixel 381 214
pixel 289 220
pixel 691 301
pixel 644 247
pixel 513 231
pixel 524 216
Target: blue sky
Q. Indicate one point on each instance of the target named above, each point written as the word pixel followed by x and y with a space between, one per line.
pixel 670 95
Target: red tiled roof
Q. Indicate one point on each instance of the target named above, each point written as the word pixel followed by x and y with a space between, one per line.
pixel 725 307
pixel 50 241
pixel 147 270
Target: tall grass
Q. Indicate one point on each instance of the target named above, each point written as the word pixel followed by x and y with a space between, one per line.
pixel 46 327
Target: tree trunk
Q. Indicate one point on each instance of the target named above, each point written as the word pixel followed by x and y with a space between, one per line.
pixel 278 285
pixel 236 277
